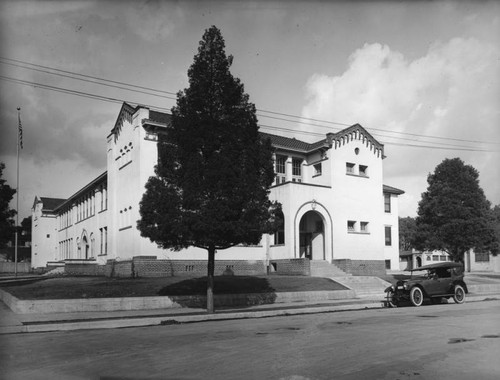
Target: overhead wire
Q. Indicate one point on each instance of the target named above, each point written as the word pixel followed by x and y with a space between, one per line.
pixel 302 120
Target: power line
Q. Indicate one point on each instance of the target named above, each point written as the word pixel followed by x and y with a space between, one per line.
pixel 302 120
pixel 119 101
pixel 74 92
pixel 77 74
pixel 452 147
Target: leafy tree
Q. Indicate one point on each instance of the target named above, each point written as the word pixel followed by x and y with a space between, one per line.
pixel 454 214
pixel 407 230
pixel 6 214
pixel 214 171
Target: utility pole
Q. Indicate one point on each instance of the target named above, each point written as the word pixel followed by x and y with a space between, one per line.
pixel 19 146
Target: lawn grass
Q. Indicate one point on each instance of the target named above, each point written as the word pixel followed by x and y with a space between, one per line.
pixel 103 287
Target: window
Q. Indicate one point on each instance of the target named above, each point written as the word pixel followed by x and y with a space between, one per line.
pixel 363 170
pixel 317 169
pixel 297 170
pixel 435 257
pixel 351 226
pixel 388 236
pixel 349 168
pixel 387 264
pixel 387 202
pixel 364 227
pixel 482 257
pixel 279 236
pixel 280 164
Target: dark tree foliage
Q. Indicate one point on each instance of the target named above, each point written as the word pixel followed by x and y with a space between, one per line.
pixel 6 214
pixel 407 231
pixel 214 171
pixel 454 214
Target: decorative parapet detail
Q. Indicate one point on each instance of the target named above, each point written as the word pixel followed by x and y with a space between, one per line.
pixel 355 132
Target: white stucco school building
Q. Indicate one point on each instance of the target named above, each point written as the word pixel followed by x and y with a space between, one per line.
pixel 337 212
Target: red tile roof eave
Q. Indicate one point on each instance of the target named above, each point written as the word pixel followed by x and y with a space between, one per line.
pixel 50 204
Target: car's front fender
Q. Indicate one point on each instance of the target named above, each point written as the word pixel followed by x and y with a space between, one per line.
pixel 388 289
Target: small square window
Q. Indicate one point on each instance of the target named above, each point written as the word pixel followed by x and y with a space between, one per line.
pixel 48 236
pixel 317 169
pixel 363 170
pixel 364 227
pixel 351 226
pixel 349 168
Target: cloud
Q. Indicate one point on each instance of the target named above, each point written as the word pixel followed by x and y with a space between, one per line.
pixel 153 20
pixel 452 91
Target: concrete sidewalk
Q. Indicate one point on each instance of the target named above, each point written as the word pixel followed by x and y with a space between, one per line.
pixel 11 323
pixel 482 287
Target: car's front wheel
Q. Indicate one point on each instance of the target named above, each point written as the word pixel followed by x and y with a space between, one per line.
pixel 416 296
pixel 391 300
pixel 459 294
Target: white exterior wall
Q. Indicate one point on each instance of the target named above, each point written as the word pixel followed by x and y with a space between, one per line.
pixel 357 198
pixel 44 237
pixel 391 220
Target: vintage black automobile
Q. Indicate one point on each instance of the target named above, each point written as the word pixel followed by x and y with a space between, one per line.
pixel 441 280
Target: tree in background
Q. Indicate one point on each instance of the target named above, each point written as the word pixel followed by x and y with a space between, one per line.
pixel 6 214
pixel 454 215
pixel 407 231
pixel 214 171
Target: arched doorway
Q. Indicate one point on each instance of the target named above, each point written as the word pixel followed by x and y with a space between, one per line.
pixel 419 261
pixel 85 246
pixel 312 236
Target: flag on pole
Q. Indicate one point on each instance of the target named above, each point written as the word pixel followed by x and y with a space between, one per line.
pixel 20 128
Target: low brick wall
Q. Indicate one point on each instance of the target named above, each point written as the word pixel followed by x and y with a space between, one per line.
pixel 362 267
pixel 84 269
pixel 290 266
pixel 119 268
pixel 149 266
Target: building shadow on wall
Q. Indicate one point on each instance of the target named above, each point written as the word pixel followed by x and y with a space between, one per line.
pixel 229 291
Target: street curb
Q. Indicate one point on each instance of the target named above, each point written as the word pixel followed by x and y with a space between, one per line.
pixel 138 321
pixel 179 319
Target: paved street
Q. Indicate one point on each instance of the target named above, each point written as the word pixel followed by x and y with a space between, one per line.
pixel 431 342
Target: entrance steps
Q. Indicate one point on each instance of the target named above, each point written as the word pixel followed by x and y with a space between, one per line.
pixel 322 268
pixel 364 286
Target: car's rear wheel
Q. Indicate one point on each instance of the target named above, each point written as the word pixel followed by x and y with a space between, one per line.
pixel 459 294
pixel 416 296
pixel 391 300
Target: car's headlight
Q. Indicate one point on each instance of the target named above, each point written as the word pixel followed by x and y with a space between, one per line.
pixel 406 286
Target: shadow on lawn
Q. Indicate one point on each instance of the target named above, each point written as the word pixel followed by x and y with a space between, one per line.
pixel 192 292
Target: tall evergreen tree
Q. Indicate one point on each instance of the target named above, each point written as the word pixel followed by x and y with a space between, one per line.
pixel 214 171
pixel 6 214
pixel 454 214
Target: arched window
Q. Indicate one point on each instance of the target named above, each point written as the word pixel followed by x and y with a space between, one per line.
pixel 279 235
pixel 92 245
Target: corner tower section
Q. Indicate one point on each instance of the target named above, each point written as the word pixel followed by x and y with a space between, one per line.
pixel 132 155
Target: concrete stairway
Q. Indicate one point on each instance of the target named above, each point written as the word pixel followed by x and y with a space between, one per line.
pixel 322 268
pixel 370 287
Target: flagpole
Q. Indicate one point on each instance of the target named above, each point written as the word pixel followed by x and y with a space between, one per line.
pixel 17 189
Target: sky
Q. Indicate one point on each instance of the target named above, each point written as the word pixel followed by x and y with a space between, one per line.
pixel 423 77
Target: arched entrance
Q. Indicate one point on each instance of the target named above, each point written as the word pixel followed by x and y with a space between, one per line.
pixel 312 236
pixel 83 246
pixel 419 261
